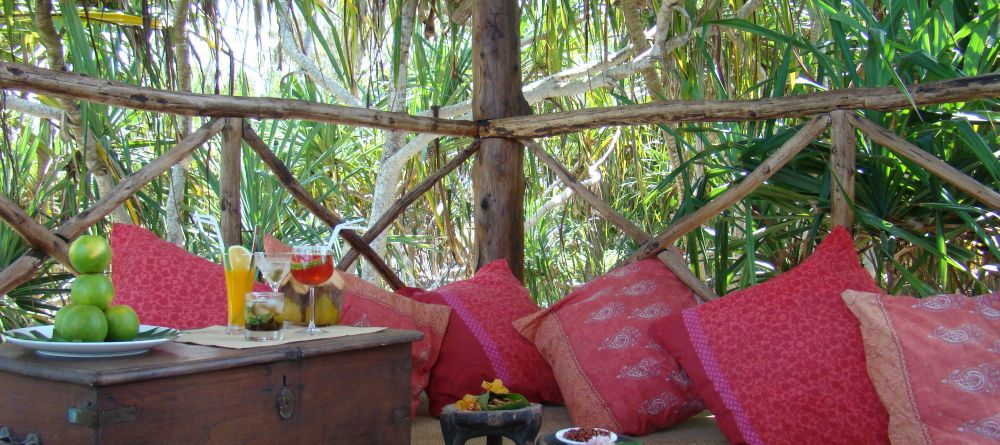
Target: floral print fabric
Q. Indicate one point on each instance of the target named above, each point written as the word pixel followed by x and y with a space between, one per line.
pixel 610 372
pixel 782 362
pixel 935 363
pixel 481 344
pixel 166 285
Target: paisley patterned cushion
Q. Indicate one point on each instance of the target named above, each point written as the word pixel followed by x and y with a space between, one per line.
pixel 935 363
pixel 783 362
pixel 166 285
pixel 481 344
pixel 366 304
pixel 610 372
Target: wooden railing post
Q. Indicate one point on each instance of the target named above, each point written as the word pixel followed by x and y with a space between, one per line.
pixel 842 154
pixel 498 171
pixel 229 182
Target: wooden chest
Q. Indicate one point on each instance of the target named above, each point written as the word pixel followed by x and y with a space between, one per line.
pixel 346 390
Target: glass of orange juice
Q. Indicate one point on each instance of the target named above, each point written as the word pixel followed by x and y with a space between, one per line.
pixel 238 263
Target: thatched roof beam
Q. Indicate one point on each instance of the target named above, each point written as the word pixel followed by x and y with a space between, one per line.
pixel 881 99
pixel 16 76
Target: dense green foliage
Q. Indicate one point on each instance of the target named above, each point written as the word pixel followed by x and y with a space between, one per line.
pixel 917 233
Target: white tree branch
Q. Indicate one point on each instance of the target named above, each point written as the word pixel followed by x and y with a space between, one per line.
pixel 32 108
pixel 312 69
pixel 595 176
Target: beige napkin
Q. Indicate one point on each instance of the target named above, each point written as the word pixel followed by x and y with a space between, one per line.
pixel 216 336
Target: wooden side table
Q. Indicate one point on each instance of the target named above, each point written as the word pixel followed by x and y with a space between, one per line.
pixel 351 389
pixel 519 425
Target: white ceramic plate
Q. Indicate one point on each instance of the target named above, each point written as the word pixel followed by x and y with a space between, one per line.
pixel 561 435
pixel 85 350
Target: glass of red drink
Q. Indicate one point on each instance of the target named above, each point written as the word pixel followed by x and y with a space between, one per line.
pixel 312 266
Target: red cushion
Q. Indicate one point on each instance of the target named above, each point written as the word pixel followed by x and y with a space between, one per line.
pixel 366 304
pixel 608 369
pixel 782 362
pixel 166 285
pixel 935 363
pixel 482 345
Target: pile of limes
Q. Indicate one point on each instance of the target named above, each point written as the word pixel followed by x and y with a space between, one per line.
pixel 90 316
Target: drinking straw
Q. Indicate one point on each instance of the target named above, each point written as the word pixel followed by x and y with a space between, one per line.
pixel 352 225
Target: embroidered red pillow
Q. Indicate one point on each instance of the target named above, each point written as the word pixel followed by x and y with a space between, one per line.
pixel 166 285
pixel 783 362
pixel 611 374
pixel 366 304
pixel 935 363
pixel 481 344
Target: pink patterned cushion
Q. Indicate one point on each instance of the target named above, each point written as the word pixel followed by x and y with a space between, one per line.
pixel 935 363
pixel 610 372
pixel 368 305
pixel 783 362
pixel 482 345
pixel 166 285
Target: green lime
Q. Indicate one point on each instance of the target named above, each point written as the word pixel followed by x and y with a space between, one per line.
pixel 123 323
pixel 92 289
pixel 81 322
pixel 90 254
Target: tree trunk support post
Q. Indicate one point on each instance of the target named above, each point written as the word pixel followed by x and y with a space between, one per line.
pixel 229 182
pixel 842 154
pixel 498 172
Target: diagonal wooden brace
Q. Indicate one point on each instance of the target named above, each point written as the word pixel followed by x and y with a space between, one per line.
pixel 36 234
pixel 330 217
pixel 25 267
pixel 765 170
pixel 401 204
pixel 669 258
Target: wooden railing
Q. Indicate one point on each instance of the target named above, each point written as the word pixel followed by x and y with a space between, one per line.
pixel 837 109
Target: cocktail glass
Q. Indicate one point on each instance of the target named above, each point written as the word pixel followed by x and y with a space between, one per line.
pixel 264 314
pixel 274 267
pixel 312 266
pixel 238 264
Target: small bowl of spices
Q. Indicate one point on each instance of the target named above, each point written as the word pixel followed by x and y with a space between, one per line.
pixel 581 435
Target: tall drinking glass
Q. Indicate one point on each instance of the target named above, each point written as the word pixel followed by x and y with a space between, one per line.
pixel 238 264
pixel 312 266
pixel 274 267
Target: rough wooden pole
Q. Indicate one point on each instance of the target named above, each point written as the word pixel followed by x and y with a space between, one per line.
pixel 498 172
pixel 25 267
pixel 229 182
pixel 330 217
pixel 401 204
pixel 765 170
pixel 21 77
pixel 917 155
pixel 36 234
pixel 883 99
pixel 842 154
